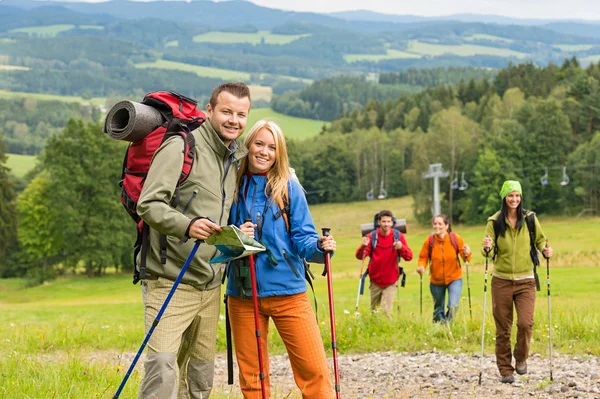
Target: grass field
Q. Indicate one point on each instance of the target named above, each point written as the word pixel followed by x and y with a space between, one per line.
pixel 573 47
pixel 49 30
pixel 390 54
pixel 209 72
pixel 252 38
pixel 97 101
pixel 296 128
pixel 20 164
pixel 483 36
pixel 62 339
pixel 53 30
pixel 463 50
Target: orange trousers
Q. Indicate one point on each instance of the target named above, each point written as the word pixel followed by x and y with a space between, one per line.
pixel 298 329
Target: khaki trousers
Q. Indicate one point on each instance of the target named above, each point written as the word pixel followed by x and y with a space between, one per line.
pixel 181 350
pixel 296 324
pixel 505 293
pixel 383 298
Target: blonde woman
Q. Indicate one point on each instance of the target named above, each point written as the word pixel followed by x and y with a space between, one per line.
pixel 265 185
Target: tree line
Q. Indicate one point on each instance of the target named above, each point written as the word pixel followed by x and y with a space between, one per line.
pixel 538 125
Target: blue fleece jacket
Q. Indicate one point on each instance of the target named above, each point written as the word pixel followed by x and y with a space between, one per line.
pixel 287 248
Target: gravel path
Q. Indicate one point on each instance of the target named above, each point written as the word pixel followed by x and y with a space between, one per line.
pixel 389 375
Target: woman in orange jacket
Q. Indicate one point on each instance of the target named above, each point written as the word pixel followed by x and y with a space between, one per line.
pixel 441 250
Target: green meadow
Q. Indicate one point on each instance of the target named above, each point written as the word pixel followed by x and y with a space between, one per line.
pixel 19 164
pixel 211 72
pixel 418 49
pixel 252 38
pixel 53 30
pixel 49 30
pixel 97 101
pixel 389 54
pixel 64 338
pixel 483 36
pixel 463 50
pixel 293 127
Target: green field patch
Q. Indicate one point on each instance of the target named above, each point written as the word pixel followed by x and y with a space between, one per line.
pixel 91 27
pixel 50 30
pixel 390 54
pixel 573 47
pixel 172 43
pixel 97 101
pixel 13 68
pixel 293 127
pixel 483 36
pixel 463 50
pixel 209 72
pixel 20 164
pixel 252 38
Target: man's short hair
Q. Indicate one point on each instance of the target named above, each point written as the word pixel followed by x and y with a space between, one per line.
pixel 385 212
pixel 238 89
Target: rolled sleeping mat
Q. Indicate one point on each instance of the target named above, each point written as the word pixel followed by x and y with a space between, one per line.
pixel 366 228
pixel 131 121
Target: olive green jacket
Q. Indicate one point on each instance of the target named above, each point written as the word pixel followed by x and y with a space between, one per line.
pixel 513 260
pixel 207 192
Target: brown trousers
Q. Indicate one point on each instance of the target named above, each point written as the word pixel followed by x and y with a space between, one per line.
pixel 504 294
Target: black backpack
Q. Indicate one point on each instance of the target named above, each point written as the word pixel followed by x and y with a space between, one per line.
pixel 533 251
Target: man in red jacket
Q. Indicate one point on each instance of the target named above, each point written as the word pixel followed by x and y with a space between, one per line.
pixel 383 264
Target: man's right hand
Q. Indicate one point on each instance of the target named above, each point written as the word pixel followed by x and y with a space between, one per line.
pixel 365 241
pixel 203 228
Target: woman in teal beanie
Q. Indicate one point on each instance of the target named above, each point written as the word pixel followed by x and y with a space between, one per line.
pixel 513 281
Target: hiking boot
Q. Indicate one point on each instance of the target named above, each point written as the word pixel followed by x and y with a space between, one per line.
pixel 521 367
pixel 507 379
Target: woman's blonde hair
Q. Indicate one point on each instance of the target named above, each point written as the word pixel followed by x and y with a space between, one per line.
pixel 279 174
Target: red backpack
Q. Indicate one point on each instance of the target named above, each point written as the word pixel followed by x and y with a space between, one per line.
pixel 180 117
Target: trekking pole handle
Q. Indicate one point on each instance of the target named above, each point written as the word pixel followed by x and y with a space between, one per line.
pixel 326 231
pixel 487 250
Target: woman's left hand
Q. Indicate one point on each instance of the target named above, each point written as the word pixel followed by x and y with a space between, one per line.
pixel 327 243
pixel 547 251
pixel 466 250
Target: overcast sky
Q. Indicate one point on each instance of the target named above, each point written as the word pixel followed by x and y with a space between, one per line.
pixel 538 9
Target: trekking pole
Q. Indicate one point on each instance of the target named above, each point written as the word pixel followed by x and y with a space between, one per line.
pixel 549 313
pixel 263 391
pixel 362 266
pixel 469 289
pixel 421 295
pixel 327 272
pixel 158 316
pixel 487 256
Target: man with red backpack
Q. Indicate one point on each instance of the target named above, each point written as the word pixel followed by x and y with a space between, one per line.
pixel 385 246
pixel 184 343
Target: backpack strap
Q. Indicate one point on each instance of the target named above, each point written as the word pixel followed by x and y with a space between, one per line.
pixel 397 235
pixel 533 252
pixel 284 208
